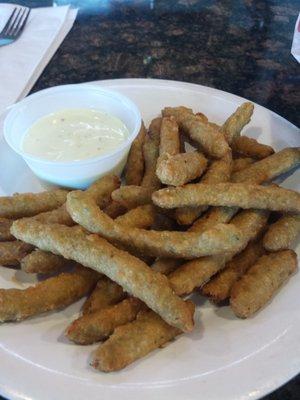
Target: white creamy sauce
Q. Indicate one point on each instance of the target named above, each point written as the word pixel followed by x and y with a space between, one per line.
pixel 74 134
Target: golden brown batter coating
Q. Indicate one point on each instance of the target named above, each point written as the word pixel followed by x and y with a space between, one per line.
pixel 282 233
pixel 51 294
pixel 134 169
pixel 106 293
pixel 270 167
pixel 156 243
pixel 241 195
pixel 5 234
pixel 181 168
pixel 261 282
pixel 28 204
pixel 58 216
pixel 114 209
pixel 235 123
pixel 94 252
pixel 214 216
pixel 218 171
pixel 98 325
pixel 210 140
pixel 100 189
pixel 134 340
pixel 42 262
pixel 241 163
pixel 11 253
pixel 169 137
pixel 166 265
pixel 250 147
pixel 175 168
pixel 132 196
pixel 219 287
pixel 151 152
pixel 140 217
pixel 179 112
pixel 196 273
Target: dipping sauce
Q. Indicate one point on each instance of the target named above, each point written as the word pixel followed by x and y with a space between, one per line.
pixel 74 134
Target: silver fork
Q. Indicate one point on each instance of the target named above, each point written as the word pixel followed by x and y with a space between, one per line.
pixel 14 26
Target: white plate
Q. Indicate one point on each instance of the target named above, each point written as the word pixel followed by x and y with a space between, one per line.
pixel 224 358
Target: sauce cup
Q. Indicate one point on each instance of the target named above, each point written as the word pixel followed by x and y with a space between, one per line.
pixel 72 174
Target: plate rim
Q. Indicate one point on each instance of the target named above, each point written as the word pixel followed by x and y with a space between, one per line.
pixel 166 82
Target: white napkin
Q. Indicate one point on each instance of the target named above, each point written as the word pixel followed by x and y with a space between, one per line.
pixel 22 62
pixel 296 41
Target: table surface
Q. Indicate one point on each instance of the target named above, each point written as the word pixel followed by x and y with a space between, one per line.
pixel 239 46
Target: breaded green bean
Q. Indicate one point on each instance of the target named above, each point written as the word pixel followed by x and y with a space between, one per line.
pixel 166 265
pixel 282 233
pixel 156 243
pixel 250 147
pixel 42 262
pixel 101 189
pixel 132 196
pixel 106 293
pixel 268 171
pixel 173 168
pixel 235 123
pixel 214 216
pixel 134 169
pixel 261 282
pixel 11 253
pixel 241 195
pixel 210 140
pixel 196 273
pixel 94 252
pixel 51 294
pixel 134 340
pixel 99 325
pixel 180 168
pixel 270 167
pixel 151 152
pixel 114 209
pixel 28 204
pixel 218 171
pixel 202 117
pixel 5 234
pixel 179 113
pixel 57 216
pixel 219 287
pixel 241 163
pixel 140 217
pixel 169 137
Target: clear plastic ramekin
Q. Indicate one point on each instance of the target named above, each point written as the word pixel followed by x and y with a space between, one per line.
pixel 72 174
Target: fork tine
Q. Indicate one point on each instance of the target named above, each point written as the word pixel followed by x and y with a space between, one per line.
pixel 14 22
pixel 21 27
pixel 18 23
pixel 9 21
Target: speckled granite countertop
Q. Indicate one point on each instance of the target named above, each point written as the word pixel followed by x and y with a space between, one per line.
pixel 240 46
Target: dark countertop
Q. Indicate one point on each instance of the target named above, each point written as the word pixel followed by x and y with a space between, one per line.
pixel 240 46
